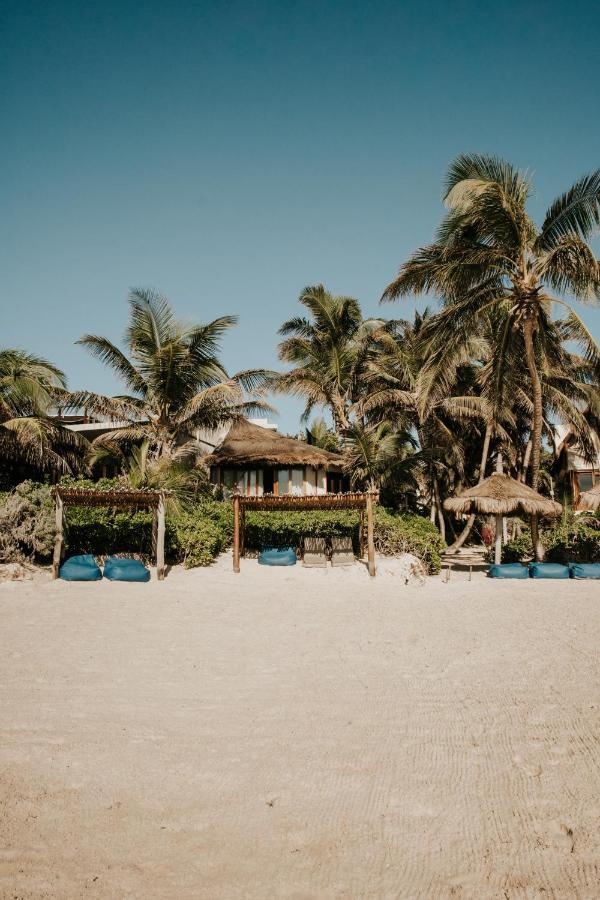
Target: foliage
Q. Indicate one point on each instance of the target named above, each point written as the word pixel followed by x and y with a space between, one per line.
pixel 174 379
pixel 27 523
pixel 394 534
pixel 573 539
pixel 28 434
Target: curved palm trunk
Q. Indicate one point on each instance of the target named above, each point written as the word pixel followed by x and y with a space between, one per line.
pixel 462 537
pixel 536 429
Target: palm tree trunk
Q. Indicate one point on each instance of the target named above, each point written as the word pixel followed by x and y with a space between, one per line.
pixel 471 520
pixel 440 511
pixel 536 429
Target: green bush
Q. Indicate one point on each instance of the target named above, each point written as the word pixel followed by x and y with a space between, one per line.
pixel 198 534
pixel 27 526
pixel 572 539
pixel 394 534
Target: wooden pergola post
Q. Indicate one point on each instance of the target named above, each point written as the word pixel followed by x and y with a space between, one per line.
pixel 370 535
pixel 236 533
pixel 58 540
pixel 160 538
pixel 361 535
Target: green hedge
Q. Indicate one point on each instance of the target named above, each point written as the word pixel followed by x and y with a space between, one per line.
pixel 573 539
pixel 197 535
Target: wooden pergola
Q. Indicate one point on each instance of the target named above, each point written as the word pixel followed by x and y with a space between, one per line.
pixel 118 499
pixel 272 502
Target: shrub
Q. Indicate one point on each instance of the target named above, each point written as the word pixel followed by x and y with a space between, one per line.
pixel 199 539
pixel 394 534
pixel 573 539
pixel 27 523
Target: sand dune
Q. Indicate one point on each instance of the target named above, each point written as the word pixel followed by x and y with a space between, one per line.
pixel 296 734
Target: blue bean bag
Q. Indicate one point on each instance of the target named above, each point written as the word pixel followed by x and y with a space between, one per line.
pixel 548 570
pixel 277 556
pixel 116 569
pixel 585 570
pixel 508 570
pixel 80 568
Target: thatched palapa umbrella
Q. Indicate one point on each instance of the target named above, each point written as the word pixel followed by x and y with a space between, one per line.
pixel 589 500
pixel 500 495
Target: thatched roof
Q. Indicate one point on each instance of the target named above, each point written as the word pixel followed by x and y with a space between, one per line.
pixel 590 500
pixel 351 500
pixel 248 445
pixel 501 495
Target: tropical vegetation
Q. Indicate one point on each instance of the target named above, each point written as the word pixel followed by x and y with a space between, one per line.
pixel 418 408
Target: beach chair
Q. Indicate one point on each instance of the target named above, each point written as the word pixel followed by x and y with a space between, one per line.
pixel 584 570
pixel 315 552
pixel 277 556
pixel 80 568
pixel 116 569
pixel 342 552
pixel 548 570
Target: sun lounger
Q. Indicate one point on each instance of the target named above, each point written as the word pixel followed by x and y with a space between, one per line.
pixel 80 568
pixel 508 570
pixel 116 569
pixel 277 556
pixel 315 552
pixel 548 570
pixel 342 552
pixel 585 570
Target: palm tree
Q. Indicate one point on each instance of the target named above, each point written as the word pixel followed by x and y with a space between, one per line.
pixel 375 454
pixel 320 435
pixel 329 350
pixel 28 391
pixel 174 379
pixel 489 253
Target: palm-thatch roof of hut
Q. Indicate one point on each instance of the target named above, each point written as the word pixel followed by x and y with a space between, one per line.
pixel 248 445
pixel 590 500
pixel 501 495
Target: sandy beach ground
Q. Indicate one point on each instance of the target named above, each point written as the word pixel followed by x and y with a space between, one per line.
pixel 296 734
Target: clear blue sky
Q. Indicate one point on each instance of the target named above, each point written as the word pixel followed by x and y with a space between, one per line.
pixel 230 153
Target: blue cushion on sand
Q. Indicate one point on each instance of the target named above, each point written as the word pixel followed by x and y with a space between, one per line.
pixel 80 568
pixel 585 570
pixel 548 570
pixel 125 570
pixel 277 556
pixel 508 570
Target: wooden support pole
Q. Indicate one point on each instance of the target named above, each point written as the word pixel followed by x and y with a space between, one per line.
pixel 58 540
pixel 370 535
pixel 361 534
pixel 498 550
pixel 236 533
pixel 242 530
pixel 160 539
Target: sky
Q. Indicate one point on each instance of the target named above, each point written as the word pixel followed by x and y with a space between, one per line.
pixel 229 154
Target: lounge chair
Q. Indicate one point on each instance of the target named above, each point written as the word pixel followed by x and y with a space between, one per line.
pixel 508 570
pixel 277 556
pixel 315 552
pixel 126 569
pixel 584 570
pixel 80 568
pixel 548 570
pixel 342 552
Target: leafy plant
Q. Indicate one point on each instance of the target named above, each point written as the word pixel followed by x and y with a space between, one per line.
pixel 27 523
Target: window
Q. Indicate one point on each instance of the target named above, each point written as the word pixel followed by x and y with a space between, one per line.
pixel 585 481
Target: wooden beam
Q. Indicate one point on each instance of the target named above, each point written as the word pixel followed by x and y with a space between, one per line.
pixel 242 530
pixel 361 534
pixel 58 539
pixel 370 535
pixel 160 539
pixel 236 533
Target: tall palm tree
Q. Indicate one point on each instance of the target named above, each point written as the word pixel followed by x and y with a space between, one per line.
pixel 329 349
pixel 174 380
pixel 28 391
pixel 319 434
pixel 375 454
pixel 489 253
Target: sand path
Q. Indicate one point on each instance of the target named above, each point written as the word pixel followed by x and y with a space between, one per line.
pixel 300 735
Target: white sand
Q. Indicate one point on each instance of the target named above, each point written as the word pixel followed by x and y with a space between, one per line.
pixel 294 734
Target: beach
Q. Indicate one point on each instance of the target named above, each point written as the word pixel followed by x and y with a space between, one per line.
pixel 300 734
